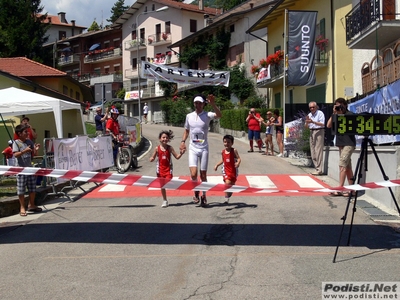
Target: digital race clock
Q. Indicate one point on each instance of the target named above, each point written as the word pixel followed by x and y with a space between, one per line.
pixel 366 124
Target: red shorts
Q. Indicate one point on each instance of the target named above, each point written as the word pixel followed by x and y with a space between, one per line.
pixel 232 179
pixel 169 175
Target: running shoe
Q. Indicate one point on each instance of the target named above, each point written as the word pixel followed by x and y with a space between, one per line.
pixel 165 203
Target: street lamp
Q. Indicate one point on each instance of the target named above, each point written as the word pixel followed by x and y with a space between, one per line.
pixel 137 56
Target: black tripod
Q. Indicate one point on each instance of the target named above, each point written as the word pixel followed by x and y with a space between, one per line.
pixel 358 174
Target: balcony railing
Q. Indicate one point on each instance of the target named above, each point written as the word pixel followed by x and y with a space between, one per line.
pixel 98 78
pixel 132 45
pixel 159 39
pixel 68 59
pixel 360 17
pixel 382 70
pixel 102 55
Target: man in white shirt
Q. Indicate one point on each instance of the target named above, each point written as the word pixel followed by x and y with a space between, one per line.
pixel 196 129
pixel 315 121
pixel 145 112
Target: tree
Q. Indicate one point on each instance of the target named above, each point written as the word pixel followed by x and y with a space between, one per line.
pixel 22 30
pixel 117 10
pixel 94 27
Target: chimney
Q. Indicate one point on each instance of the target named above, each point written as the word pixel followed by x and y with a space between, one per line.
pixel 251 5
pixel 61 15
pixel 49 19
pixel 73 27
pixel 201 4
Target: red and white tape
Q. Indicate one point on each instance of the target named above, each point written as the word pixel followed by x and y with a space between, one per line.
pixel 175 184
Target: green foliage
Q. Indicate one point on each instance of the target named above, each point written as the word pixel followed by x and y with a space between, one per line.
pixel 216 48
pixel 255 101
pixel 22 33
pixel 94 27
pixel 174 112
pixel 121 93
pixel 168 87
pixel 234 119
pixel 90 129
pixel 239 84
pixel 117 10
pixel 228 4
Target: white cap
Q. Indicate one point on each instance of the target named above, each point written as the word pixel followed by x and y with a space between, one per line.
pixel 10 142
pixel 198 99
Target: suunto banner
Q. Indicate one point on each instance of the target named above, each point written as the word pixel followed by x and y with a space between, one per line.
pixel 301 48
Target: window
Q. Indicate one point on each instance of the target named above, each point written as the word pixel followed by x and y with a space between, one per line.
pixel 232 28
pixel 142 33
pixel 153 7
pixel 65 90
pixel 277 48
pixel 134 63
pixel 71 93
pixel 62 35
pixel 193 25
pixel 77 96
pixel 158 32
pixel 168 27
pixel 278 100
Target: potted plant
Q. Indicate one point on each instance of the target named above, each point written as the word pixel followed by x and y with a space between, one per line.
pixel 164 36
pixel 255 69
pixel 321 42
pixel 150 40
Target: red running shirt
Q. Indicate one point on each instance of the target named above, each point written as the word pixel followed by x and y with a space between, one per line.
pixel 164 163
pixel 229 171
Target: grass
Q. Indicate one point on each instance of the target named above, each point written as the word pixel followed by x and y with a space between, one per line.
pixel 8 187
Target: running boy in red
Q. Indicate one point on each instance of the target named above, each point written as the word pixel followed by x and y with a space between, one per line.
pixel 230 164
pixel 164 162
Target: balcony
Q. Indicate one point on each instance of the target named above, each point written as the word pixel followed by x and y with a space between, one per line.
pixel 382 70
pixel 131 73
pixel 372 24
pixel 68 60
pixel 103 55
pixel 132 45
pixel 105 78
pixel 159 39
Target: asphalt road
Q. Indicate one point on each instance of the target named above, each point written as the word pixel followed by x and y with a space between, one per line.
pixel 256 247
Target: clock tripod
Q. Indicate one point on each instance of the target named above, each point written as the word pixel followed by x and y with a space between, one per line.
pixel 362 160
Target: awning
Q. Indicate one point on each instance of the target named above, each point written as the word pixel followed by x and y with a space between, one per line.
pixel 94 47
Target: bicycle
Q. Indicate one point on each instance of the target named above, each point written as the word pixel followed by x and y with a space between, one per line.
pixel 125 156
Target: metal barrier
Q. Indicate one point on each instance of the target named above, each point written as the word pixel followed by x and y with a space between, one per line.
pixel 48 159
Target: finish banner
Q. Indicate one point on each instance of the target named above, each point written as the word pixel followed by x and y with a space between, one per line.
pixel 301 48
pixel 184 76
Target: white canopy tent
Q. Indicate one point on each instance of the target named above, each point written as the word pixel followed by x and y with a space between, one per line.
pixel 15 102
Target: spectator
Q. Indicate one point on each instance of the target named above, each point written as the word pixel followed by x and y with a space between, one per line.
pixel 253 121
pixel 145 112
pixel 9 155
pixel 230 164
pixel 24 150
pixel 99 120
pixel 315 121
pixel 196 129
pixel 269 131
pixel 347 145
pixel 279 131
pixel 113 128
pixel 164 167
pixel 32 135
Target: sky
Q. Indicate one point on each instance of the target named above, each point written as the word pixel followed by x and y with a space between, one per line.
pixel 84 12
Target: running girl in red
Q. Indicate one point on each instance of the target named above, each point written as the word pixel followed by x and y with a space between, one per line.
pixel 164 162
pixel 230 164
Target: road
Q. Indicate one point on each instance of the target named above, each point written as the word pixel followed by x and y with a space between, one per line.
pixel 125 246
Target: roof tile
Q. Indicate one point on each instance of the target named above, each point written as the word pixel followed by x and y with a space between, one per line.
pixel 24 67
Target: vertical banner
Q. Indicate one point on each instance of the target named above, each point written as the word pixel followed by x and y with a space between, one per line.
pixel 301 48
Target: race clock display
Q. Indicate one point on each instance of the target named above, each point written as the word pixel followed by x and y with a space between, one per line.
pixel 366 124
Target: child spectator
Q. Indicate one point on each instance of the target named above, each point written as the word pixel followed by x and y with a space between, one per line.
pixel 9 155
pixel 164 164
pixel 230 164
